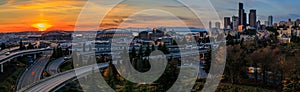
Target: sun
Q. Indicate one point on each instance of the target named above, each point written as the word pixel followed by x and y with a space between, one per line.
pixel 41 26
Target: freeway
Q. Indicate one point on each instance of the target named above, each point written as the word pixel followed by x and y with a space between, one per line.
pixel 34 73
pixel 56 80
pixel 2 52
pixel 52 82
pixel 53 67
pixel 5 58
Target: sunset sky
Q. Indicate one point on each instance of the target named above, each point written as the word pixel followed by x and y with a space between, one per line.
pixel 25 15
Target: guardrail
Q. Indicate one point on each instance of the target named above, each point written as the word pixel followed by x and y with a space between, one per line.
pixel 54 76
pixel 16 54
pixel 21 74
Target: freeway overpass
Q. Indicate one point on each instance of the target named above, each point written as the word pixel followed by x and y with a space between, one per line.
pixel 34 72
pixel 7 58
pixel 52 82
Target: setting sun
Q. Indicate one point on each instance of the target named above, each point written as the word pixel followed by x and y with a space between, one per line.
pixel 41 26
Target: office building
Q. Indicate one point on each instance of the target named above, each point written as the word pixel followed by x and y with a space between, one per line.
pixel 252 18
pixel 242 15
pixel 226 22
pixel 210 25
pixel 235 23
pixel 218 25
pixel 258 25
pixel 270 21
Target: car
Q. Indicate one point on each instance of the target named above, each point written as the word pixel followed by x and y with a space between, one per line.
pixel 7 53
pixel 67 58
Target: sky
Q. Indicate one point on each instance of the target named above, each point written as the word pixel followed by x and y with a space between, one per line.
pixel 34 15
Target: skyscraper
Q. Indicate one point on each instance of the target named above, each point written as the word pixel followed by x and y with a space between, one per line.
pixel 218 25
pixel 209 24
pixel 241 5
pixel 270 21
pixel 226 22
pixel 240 12
pixel 235 23
pixel 244 19
pixel 242 15
pixel 252 18
pixel 297 22
pixel 258 25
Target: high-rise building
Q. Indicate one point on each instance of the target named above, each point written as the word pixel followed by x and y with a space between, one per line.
pixel 226 22
pixel 241 12
pixel 242 15
pixel 266 23
pixel 244 19
pixel 252 18
pixel 258 25
pixel 209 24
pixel 235 23
pixel 241 6
pixel 297 22
pixel 289 22
pixel 218 25
pixel 270 21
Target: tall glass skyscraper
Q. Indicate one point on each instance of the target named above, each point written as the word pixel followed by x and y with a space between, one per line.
pixel 252 18
pixel 270 21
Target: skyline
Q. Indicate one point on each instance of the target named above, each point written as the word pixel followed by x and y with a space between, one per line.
pixel 18 15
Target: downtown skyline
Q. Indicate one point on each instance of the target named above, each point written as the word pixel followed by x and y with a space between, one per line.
pixel 19 15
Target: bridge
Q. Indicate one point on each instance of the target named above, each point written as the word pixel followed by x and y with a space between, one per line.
pixel 7 58
pixel 60 79
pixel 54 81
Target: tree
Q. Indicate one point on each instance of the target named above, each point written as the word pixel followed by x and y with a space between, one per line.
pixel 3 46
pixel 152 48
pixel 207 58
pixel 67 52
pixel 30 46
pixel 83 47
pixel 90 48
pixel 133 52
pixel 242 43
pixel 141 54
pixel 159 47
pixel 165 49
pixel 174 42
pixel 22 47
pixel 128 86
pixel 148 51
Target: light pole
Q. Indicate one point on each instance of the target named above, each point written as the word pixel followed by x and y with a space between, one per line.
pixel 1 68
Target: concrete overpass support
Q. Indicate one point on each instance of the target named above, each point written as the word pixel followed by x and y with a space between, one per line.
pixel 34 56
pixel 2 68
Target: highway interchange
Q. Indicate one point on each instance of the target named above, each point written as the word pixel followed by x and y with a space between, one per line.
pixel 53 67
pixel 31 79
pixel 34 73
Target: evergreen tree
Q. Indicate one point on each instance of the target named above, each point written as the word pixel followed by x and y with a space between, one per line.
pixel 140 54
pixel 160 47
pixel 128 87
pixel 3 46
pixel 207 58
pixel 148 51
pixel 174 42
pixel 54 53
pixel 83 47
pixel 133 52
pixel 90 48
pixel 22 47
pixel 30 46
pixel 152 48
pixel 165 49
